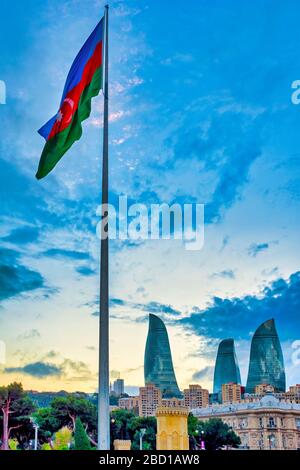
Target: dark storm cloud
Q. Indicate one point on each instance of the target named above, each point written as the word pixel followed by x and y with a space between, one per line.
pixel 238 316
pixel 15 278
pixel 36 369
pixel 41 369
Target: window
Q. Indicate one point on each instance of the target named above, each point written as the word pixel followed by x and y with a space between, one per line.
pixel 271 422
pixel 261 423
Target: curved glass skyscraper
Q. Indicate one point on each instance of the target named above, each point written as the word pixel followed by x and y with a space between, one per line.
pixel 266 360
pixel 226 368
pixel 158 365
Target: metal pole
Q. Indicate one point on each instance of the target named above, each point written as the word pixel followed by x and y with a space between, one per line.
pixel 103 384
pixel 35 436
pixel 142 433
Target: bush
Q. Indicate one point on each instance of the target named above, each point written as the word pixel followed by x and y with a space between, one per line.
pixel 13 444
pixel 63 439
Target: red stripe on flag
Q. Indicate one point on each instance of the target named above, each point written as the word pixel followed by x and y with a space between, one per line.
pixel 71 101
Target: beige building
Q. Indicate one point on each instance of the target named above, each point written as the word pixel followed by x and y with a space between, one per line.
pixel 265 424
pixel 291 396
pixel 231 393
pixel 262 389
pixel 129 403
pixel 294 389
pixel 196 397
pixel 172 402
pixel 149 400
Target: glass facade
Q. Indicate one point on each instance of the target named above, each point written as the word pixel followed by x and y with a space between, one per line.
pixel 158 365
pixel 266 360
pixel 226 368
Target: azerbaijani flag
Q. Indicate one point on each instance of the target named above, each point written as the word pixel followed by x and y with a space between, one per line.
pixel 83 82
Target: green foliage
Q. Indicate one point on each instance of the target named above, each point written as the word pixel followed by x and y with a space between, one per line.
pixel 13 444
pixel 67 409
pixel 16 404
pixel 217 434
pixel 46 446
pixel 114 399
pixel 192 425
pixel 47 422
pixel 81 439
pixel 126 425
pixel 149 438
pixel 63 439
pixel 119 424
pixel 13 391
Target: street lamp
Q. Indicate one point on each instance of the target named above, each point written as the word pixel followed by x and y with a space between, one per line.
pixel 35 427
pixel 142 433
pixel 196 437
pixel 202 441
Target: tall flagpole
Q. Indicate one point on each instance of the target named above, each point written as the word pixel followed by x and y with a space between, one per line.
pixel 103 384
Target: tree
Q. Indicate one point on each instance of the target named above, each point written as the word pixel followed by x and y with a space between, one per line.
pixel 119 425
pixel 67 409
pixel 48 423
pixel 193 431
pixel 149 439
pixel 81 439
pixel 63 438
pixel 217 434
pixel 16 409
pixel 126 425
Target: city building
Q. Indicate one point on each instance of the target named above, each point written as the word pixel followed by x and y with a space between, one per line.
pixel 266 360
pixel 196 397
pixel 266 424
pixel 158 365
pixel 172 402
pixel 291 396
pixel 262 389
pixel 149 399
pixel 118 386
pixel 226 368
pixel 130 404
pixel 231 393
pixel 294 389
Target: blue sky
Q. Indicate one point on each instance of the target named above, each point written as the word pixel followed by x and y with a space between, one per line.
pixel 200 110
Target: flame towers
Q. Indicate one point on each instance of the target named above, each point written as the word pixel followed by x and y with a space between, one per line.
pixel 158 365
pixel 266 360
pixel 227 368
